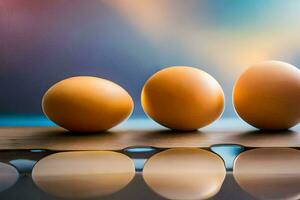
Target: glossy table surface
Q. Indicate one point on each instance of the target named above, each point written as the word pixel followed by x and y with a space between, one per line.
pixel 141 132
pixel 26 141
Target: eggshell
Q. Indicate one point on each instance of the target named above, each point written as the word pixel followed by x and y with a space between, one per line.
pixel 267 95
pixel 83 174
pixel 185 174
pixel 182 98
pixel 87 104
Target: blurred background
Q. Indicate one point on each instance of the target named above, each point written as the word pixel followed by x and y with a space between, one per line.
pixel 126 41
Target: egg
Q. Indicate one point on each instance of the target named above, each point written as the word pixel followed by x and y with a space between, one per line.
pixel 267 95
pixel 182 98
pixel 87 104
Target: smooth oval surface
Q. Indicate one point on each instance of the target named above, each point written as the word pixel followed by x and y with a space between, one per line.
pixel 87 104
pixel 269 173
pixel 86 174
pixel 8 176
pixel 267 95
pixel 182 98
pixel 185 174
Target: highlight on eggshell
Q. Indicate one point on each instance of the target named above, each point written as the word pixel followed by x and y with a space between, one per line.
pixel 267 95
pixel 182 98
pixel 87 104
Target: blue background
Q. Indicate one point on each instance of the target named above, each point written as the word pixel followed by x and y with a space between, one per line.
pixel 126 41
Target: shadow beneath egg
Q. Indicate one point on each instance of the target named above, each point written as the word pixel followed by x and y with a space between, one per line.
pixel 64 132
pixel 58 139
pixel 175 132
pixel 161 134
pixel 261 138
pixel 76 133
pixel 265 133
pixel 171 138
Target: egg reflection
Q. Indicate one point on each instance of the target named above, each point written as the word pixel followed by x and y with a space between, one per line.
pixel 8 176
pixel 269 173
pixel 78 175
pixel 185 173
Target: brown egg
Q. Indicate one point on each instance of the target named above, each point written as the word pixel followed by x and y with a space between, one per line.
pixel 269 173
pixel 87 104
pixel 267 95
pixel 185 174
pixel 83 174
pixel 182 98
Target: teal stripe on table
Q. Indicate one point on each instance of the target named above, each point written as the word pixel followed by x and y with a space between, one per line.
pixel 25 120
